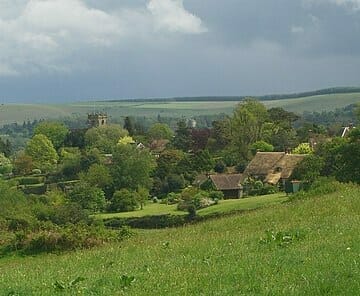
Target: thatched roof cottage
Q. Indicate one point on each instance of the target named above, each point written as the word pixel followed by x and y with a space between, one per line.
pixel 273 167
pixel 229 184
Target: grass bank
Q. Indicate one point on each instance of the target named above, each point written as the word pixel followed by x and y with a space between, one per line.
pixel 304 247
pixel 223 206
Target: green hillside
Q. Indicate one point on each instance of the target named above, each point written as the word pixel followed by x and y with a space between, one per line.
pixel 168 108
pixel 304 247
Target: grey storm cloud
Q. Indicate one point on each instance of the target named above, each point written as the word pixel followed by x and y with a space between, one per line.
pixel 80 49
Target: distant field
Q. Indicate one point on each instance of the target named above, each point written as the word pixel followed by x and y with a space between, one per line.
pixel 19 112
pixel 316 103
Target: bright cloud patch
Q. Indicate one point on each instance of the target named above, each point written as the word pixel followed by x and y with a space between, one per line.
pixel 355 4
pixel 171 15
pixel 38 35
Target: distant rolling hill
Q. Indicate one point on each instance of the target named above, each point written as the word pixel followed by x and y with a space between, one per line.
pixel 320 100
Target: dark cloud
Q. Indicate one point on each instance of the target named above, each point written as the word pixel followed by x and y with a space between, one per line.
pixel 250 47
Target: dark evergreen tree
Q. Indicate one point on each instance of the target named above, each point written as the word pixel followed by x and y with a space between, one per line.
pixel 182 139
pixel 129 125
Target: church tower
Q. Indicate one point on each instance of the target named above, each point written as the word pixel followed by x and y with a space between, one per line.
pixel 97 119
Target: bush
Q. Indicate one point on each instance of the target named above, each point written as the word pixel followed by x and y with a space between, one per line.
pixel 89 197
pixel 194 197
pixel 321 186
pixel 35 189
pixel 67 238
pixel 30 180
pixel 220 167
pixel 269 189
pixel 172 198
pixel 69 213
pixel 123 201
pixel 216 195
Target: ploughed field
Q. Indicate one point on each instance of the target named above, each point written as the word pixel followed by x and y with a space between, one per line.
pixel 308 246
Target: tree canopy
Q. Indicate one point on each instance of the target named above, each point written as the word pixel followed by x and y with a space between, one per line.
pixel 42 151
pixel 131 167
pixel 247 125
pixel 104 138
pixel 54 131
pixel 159 131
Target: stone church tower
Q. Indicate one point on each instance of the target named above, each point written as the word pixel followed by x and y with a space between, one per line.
pixel 97 119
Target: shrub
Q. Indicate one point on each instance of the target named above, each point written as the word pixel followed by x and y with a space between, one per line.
pixel 208 185
pixel 216 195
pixel 321 186
pixel 220 167
pixel 269 189
pixel 69 213
pixel 123 201
pixel 35 189
pixel 89 197
pixel 172 198
pixel 67 238
pixel 30 180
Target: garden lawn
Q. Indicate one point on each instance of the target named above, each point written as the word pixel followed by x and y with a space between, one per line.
pixel 224 206
pixel 315 251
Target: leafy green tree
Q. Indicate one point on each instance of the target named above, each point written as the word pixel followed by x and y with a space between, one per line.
pixel 168 163
pixel 132 168
pixel 88 197
pixel 247 125
pixel 309 169
pixel 43 153
pixel 182 139
pixel 104 138
pixel 5 147
pixel 175 183
pixel 54 131
pixel 124 200
pixel 202 161
pixel 90 157
pixel 142 196
pixel 129 125
pixel 70 162
pixel 349 159
pixel 281 117
pixel 303 148
pixel 220 134
pixel 5 164
pixel 126 140
pixel 23 164
pixel 75 138
pixel 159 131
pixel 12 203
pixel 261 146
pixel 98 175
pixel 330 152
pixel 220 167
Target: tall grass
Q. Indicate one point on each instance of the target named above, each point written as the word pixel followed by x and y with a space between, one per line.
pixel 237 255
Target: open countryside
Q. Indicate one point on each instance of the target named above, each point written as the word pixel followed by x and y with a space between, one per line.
pixel 22 112
pixel 179 148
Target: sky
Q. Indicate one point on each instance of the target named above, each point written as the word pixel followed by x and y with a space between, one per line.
pixel 71 50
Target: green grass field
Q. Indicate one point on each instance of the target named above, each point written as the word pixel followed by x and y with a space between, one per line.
pixel 225 256
pixel 19 112
pixel 224 206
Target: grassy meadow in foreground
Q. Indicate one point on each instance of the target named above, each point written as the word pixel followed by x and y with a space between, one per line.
pixel 312 247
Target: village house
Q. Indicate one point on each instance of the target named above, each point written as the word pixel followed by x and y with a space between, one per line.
pixel 229 184
pixel 273 167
